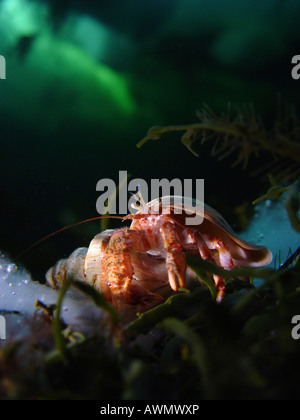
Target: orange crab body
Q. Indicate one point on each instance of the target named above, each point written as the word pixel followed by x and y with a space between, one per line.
pixel 131 265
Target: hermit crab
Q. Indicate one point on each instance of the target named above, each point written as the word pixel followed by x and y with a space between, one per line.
pixel 141 264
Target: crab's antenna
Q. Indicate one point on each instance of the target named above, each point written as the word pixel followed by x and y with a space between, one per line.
pixel 139 199
pixel 62 230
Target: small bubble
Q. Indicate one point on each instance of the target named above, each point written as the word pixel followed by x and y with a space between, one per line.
pixel 268 203
pixel 11 268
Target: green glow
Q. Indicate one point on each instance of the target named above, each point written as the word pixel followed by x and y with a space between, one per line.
pixel 64 84
pixel 86 73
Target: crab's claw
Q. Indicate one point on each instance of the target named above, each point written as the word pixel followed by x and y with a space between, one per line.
pixel 175 261
pixel 176 267
pixel 220 285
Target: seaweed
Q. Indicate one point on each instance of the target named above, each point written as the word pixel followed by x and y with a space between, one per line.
pixel 189 347
pixel 246 135
pixel 292 201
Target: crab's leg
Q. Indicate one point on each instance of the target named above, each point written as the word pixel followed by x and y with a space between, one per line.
pixel 203 249
pixel 175 261
pixel 220 285
pixel 207 254
pixel 225 261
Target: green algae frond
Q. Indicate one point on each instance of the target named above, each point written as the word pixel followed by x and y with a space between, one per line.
pixel 246 136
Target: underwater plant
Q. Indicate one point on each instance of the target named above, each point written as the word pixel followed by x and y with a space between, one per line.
pixel 246 135
pixel 188 347
pixel 292 202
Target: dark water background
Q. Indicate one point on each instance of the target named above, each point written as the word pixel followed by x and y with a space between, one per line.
pixel 61 132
